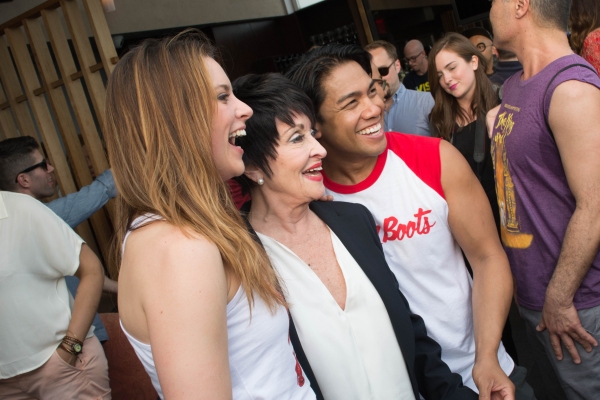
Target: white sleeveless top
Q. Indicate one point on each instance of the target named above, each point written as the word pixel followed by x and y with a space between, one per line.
pixel 353 352
pixel 405 195
pixel 262 362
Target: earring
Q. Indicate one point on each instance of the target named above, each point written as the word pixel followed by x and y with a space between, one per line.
pixel 260 181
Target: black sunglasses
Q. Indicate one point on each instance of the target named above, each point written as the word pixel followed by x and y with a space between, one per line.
pixel 383 71
pixel 43 164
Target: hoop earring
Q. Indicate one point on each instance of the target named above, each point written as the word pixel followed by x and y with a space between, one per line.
pixel 260 181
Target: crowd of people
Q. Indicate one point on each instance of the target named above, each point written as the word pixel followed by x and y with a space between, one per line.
pixel 334 233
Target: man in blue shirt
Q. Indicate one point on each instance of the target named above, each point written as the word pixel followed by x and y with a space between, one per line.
pixel 407 111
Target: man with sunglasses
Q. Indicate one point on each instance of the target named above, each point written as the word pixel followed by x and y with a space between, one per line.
pixel 484 42
pixel 416 58
pixel 48 348
pixel 24 170
pixel 407 111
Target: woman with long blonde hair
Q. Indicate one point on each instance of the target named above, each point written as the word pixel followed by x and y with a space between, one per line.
pixel 198 299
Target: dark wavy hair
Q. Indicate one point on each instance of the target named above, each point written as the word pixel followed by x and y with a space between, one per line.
pixel 316 65
pixel 446 110
pixel 585 17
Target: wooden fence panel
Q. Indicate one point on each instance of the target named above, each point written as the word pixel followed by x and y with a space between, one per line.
pixel 106 48
pixel 90 68
pixel 8 129
pixel 60 107
pixel 40 109
pixel 81 108
pixel 33 101
pixel 16 98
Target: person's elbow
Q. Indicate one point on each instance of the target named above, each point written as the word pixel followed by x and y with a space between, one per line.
pixel 90 268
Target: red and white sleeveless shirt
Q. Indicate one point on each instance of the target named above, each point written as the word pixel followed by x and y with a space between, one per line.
pixel 404 193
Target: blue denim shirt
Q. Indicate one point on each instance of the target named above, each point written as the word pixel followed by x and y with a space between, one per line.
pixel 410 112
pixel 76 208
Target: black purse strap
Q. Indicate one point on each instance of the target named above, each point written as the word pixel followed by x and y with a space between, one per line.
pixel 479 150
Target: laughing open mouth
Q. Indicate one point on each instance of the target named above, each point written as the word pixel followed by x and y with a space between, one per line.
pixel 234 135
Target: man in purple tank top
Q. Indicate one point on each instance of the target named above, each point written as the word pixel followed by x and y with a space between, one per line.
pixel 546 150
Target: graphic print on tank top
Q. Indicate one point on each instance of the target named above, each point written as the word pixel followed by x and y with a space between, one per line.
pixel 505 189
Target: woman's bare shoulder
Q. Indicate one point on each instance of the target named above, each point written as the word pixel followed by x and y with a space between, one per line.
pixel 166 248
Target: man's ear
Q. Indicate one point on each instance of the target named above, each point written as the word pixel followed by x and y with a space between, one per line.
pixel 495 52
pixel 521 8
pixel 23 181
pixel 398 65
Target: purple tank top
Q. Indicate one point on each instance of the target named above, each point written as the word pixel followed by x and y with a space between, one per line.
pixel 533 194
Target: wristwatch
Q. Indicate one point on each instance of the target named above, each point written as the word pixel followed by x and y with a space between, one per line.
pixel 72 345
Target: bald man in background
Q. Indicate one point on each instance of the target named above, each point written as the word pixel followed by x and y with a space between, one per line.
pixel 483 40
pixel 415 55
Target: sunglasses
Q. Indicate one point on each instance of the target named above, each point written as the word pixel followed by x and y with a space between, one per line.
pixel 482 46
pixel 43 164
pixel 413 58
pixel 383 83
pixel 383 71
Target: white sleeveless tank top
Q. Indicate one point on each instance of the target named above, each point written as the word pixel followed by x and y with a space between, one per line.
pixel 262 362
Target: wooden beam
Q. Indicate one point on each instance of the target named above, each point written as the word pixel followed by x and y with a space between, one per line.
pixel 77 75
pixel 77 97
pixel 57 83
pixel 8 129
pixel 104 41
pixel 34 12
pixel 85 55
pixel 96 67
pixel 40 110
pixel 12 88
pixel 60 108
pixel 364 20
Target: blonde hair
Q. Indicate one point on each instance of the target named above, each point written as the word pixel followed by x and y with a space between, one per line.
pixel 159 106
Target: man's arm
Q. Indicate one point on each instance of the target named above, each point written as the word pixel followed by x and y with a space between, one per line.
pixel 575 122
pixel 79 206
pixel 86 302
pixel 472 225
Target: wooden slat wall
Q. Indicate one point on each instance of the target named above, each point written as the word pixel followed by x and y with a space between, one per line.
pixel 33 100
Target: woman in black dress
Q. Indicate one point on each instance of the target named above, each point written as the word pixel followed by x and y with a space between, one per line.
pixel 463 95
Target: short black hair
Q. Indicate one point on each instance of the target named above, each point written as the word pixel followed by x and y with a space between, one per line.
pixel 272 97
pixel 316 65
pixel 554 13
pixel 15 156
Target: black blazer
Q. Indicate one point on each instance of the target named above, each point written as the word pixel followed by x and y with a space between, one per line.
pixel 353 224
